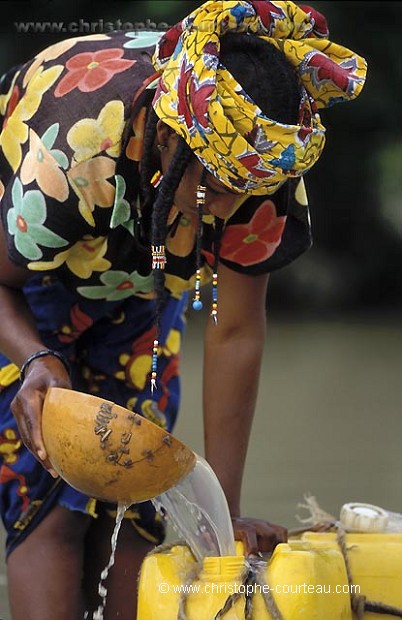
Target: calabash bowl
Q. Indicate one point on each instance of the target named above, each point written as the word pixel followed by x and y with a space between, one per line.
pixel 109 452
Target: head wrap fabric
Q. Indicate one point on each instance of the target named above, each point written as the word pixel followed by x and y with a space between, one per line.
pixel 227 131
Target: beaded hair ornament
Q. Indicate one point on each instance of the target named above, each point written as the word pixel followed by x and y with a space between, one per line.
pixel 159 262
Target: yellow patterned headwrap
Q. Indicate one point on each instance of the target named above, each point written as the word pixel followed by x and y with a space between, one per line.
pixel 227 131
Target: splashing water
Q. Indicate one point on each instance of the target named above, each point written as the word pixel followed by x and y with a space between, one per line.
pixel 102 590
pixel 199 513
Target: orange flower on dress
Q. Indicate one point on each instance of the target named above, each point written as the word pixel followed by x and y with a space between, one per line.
pixel 255 241
pixel 135 145
pixel 89 71
pixel 89 181
pixel 40 165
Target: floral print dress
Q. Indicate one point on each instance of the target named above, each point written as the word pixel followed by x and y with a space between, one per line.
pixel 72 124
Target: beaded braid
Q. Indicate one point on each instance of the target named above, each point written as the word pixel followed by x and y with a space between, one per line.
pixel 201 189
pixel 271 82
pixel 160 213
pixel 218 230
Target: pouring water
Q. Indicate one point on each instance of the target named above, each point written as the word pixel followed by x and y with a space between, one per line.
pixel 198 511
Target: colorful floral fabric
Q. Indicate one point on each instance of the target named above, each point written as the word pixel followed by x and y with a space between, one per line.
pixel 228 132
pixel 69 173
pixel 69 190
pixel 109 347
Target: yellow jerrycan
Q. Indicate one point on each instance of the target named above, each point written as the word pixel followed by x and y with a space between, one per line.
pixel 305 579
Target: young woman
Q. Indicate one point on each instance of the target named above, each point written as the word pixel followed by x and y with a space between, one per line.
pixel 129 176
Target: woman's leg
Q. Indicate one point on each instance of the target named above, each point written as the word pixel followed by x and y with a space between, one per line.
pixel 121 584
pixel 45 570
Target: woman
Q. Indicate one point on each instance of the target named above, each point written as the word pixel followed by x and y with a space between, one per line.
pixel 103 160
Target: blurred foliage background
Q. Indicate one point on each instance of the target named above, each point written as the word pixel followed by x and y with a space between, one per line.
pixel 355 189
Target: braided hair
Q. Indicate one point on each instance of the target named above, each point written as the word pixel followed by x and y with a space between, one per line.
pixel 269 80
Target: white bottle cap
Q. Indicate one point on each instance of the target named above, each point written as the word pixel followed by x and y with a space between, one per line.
pixel 363 517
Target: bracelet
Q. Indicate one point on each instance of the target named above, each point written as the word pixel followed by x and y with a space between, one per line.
pixel 42 353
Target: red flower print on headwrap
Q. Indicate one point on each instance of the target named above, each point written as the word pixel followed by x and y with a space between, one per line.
pixel 255 241
pixel 89 71
pixel 199 97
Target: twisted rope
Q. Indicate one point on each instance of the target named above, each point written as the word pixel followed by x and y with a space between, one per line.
pixel 252 576
pixel 359 602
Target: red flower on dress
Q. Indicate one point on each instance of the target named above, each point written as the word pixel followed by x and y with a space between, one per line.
pixel 89 71
pixel 12 104
pixel 255 241
pixel 79 323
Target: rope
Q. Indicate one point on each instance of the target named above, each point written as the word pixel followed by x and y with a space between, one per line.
pixel 253 576
pixel 266 593
pixel 229 603
pixel 359 602
pixel 381 608
pixel 192 576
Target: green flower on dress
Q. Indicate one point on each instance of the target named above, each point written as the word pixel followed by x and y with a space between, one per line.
pixel 121 208
pixel 118 285
pixel 25 221
pixel 143 39
pixel 48 139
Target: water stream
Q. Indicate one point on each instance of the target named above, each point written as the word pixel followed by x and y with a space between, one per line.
pixel 102 590
pixel 197 509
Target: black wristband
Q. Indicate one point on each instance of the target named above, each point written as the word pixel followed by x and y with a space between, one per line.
pixel 42 353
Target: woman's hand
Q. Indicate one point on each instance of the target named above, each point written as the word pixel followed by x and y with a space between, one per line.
pixel 42 373
pixel 257 535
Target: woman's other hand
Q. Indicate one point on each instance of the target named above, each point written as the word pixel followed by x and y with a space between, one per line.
pixel 258 536
pixel 41 374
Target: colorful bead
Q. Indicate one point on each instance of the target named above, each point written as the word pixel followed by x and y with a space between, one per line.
pixel 158 257
pixel 154 368
pixel 197 303
pixel 214 312
pixel 200 195
pixel 157 179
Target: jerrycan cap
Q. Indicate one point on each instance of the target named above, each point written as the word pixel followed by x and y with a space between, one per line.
pixel 361 517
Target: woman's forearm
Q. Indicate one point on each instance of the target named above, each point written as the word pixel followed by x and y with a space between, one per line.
pixel 231 382
pixel 18 334
pixel 232 362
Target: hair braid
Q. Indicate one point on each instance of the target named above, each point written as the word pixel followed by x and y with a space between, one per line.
pixel 147 169
pixel 148 162
pixel 161 209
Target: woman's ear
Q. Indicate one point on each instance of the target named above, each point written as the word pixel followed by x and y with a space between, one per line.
pixel 166 143
pixel 164 134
